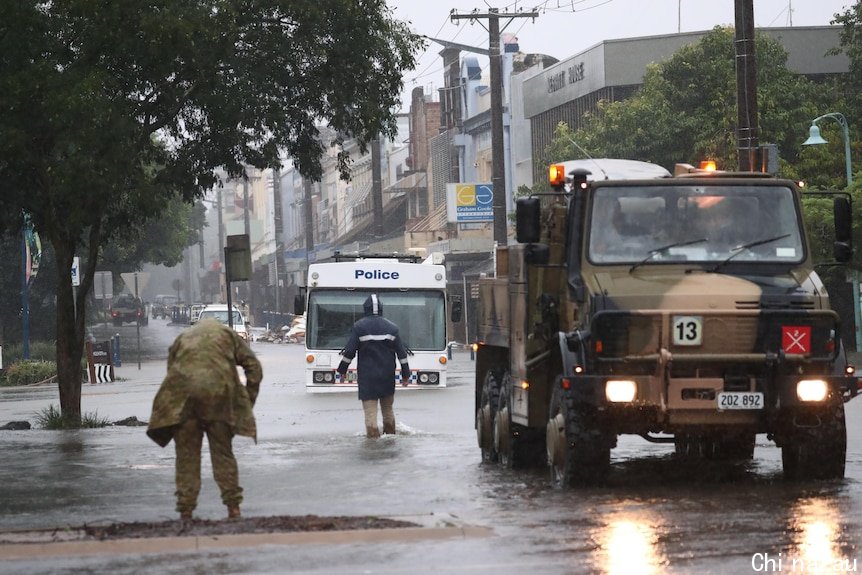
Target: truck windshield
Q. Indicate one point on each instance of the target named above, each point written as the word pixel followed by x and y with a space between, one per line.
pixel 647 225
pixel 419 315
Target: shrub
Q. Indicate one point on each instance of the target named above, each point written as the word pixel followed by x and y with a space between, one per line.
pixel 27 372
pixel 39 350
pixel 52 418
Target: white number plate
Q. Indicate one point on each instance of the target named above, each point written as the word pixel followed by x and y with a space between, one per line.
pixel 687 330
pixel 740 400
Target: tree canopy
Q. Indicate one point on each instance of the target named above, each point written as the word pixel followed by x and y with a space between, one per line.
pixel 109 110
pixel 686 109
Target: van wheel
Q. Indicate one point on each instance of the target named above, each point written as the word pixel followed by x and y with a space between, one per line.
pixel 818 451
pixel 488 401
pixel 578 450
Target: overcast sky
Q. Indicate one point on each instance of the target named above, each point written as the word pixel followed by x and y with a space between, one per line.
pixel 563 29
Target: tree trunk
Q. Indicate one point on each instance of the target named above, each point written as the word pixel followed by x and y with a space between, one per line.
pixel 70 335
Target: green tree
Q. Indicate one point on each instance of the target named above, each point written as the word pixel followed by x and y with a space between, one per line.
pixel 110 109
pixel 686 109
pixel 851 43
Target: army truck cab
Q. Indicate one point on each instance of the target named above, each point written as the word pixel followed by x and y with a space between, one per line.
pixel 681 308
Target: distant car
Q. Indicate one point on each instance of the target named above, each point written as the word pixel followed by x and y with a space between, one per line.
pixel 162 305
pixel 218 311
pixel 128 308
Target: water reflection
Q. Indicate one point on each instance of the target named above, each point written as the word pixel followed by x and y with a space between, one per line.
pixel 816 525
pixel 629 546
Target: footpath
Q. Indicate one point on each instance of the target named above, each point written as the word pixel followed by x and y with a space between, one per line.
pixel 52 507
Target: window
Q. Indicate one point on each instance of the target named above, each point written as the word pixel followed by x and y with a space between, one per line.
pixel 711 223
pixel 419 315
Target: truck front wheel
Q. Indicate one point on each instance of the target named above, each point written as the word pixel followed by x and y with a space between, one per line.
pixel 578 450
pixel 490 397
pixel 816 449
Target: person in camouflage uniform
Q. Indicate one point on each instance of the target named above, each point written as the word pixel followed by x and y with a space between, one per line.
pixel 202 394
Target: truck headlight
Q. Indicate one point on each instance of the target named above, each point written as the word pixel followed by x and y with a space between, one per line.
pixel 811 390
pixel 620 390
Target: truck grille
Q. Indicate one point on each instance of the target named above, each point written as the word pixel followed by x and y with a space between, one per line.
pixel 618 334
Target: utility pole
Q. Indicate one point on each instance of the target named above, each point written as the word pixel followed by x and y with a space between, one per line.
pixel 309 223
pixel 221 261
pixel 376 190
pixel 278 226
pixel 746 86
pixel 247 228
pixel 498 168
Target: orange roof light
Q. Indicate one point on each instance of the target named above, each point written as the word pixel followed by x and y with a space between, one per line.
pixel 557 175
pixel 708 165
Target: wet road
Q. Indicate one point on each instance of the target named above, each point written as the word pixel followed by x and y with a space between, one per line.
pixel 656 516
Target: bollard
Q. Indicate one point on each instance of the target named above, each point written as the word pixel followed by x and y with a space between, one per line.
pixel 115 351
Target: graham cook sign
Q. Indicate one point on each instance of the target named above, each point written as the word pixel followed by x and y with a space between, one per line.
pixel 469 203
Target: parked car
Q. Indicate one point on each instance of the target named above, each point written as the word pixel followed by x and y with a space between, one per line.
pixel 128 308
pixel 218 311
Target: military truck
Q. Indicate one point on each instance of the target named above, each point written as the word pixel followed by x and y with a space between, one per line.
pixel 681 308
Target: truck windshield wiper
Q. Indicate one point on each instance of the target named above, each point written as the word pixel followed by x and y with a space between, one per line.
pixel 655 251
pixel 743 247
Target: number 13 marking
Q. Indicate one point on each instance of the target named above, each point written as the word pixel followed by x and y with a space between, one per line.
pixel 687 330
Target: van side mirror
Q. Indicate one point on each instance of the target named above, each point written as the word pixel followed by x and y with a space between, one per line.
pixel 842 248
pixel 527 220
pixel 298 304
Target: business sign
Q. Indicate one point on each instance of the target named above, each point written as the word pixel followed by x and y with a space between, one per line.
pixel 76 271
pixel 468 203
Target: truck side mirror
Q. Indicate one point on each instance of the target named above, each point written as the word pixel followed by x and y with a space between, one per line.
pixel 298 304
pixel 457 310
pixel 527 220
pixel 842 248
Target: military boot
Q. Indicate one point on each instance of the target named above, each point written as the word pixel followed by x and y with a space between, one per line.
pixel 372 432
pixel 233 512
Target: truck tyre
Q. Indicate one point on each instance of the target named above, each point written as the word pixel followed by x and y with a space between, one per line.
pixel 512 442
pixel 817 452
pixel 490 397
pixel 578 451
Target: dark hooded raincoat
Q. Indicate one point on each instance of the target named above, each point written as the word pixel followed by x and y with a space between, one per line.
pixel 378 343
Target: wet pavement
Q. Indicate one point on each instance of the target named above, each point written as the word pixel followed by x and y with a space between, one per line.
pixel 657 515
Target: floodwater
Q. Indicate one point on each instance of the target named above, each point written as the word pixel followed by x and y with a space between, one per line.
pixel 656 515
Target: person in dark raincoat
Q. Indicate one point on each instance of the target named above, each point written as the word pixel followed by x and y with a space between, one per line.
pixel 378 344
pixel 202 394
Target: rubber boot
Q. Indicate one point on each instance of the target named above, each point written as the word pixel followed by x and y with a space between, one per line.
pixel 372 432
pixel 233 512
pixel 389 428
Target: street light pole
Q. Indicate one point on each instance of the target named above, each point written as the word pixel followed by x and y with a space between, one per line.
pixel 814 138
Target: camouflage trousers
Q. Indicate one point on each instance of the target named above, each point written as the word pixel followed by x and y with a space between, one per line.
pixel 188 438
pixel 369 406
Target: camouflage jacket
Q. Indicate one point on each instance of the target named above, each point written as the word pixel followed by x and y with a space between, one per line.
pixel 203 382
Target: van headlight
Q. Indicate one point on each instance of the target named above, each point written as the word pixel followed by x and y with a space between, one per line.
pixel 811 390
pixel 620 390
